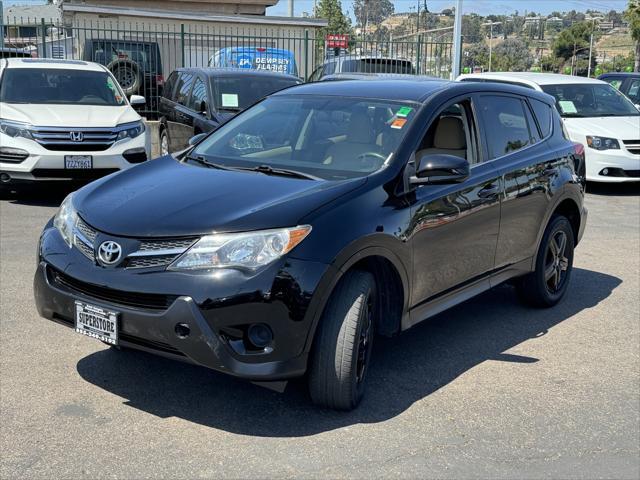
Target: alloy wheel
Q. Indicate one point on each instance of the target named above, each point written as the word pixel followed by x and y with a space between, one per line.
pixel 556 262
pixel 365 341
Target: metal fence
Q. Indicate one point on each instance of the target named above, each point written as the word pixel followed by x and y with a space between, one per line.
pixel 142 56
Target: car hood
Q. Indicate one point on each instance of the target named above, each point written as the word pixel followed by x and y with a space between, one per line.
pixel 164 198
pixel 623 128
pixel 41 115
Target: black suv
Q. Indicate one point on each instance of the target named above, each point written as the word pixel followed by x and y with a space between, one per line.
pixel 136 65
pixel 284 241
pixel 198 100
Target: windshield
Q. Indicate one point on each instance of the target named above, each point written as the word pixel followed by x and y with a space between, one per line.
pixel 329 137
pixel 376 65
pixel 590 100
pixel 236 93
pixel 60 86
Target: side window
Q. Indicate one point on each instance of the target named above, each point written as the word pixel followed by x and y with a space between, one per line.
pixel 634 91
pixel 169 85
pixel 451 133
pixel 198 95
pixel 615 82
pixel 543 115
pixel 184 87
pixel 315 76
pixel 505 122
pixel 533 129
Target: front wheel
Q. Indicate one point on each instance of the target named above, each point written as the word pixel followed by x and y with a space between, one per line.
pixel 342 349
pixel 164 142
pixel 548 283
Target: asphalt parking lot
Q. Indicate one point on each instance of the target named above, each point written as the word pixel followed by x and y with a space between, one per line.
pixel 489 389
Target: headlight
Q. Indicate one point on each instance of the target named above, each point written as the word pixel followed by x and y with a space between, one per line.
pixel 602 143
pixel 15 129
pixel 65 220
pixel 241 250
pixel 130 130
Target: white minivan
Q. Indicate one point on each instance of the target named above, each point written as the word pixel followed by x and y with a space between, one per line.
pixel 595 114
pixel 65 120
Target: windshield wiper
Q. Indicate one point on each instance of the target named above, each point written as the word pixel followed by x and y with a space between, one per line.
pixel 203 162
pixel 269 170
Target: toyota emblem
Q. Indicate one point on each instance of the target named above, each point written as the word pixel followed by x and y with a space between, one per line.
pixel 109 252
pixel 76 136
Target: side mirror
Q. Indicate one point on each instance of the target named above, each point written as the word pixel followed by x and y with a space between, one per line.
pixel 137 100
pixel 204 108
pixel 196 139
pixel 439 168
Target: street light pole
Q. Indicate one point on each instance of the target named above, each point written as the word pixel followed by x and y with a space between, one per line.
pixel 491 24
pixel 457 40
pixel 590 49
pixel 291 8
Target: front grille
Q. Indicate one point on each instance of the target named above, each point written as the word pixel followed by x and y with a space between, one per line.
pixel 88 232
pixel 151 245
pixel 633 146
pixel 85 249
pixel 150 301
pixel 79 174
pixel 150 261
pixel 60 139
pixel 632 173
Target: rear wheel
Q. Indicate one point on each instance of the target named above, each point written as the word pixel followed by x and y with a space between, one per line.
pixel 342 349
pixel 164 142
pixel 548 283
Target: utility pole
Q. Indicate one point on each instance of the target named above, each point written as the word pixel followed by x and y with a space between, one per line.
pixel 491 24
pixel 590 50
pixel 457 40
pixel 291 8
pixel 1 25
pixel 418 18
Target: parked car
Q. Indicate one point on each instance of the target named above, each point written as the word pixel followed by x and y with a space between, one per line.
pixel 595 114
pixel 255 58
pixel 361 64
pixel 377 76
pixel 7 52
pixel 135 64
pixel 627 83
pixel 198 100
pixel 325 214
pixel 65 119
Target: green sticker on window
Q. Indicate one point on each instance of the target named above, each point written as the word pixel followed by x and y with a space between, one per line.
pixel 404 112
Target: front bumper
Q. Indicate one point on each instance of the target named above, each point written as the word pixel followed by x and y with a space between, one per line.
pixel 623 165
pixel 49 165
pixel 278 297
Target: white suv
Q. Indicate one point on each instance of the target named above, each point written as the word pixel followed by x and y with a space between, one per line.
pixel 594 114
pixel 64 120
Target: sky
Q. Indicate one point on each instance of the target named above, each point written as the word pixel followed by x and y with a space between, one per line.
pixel 483 7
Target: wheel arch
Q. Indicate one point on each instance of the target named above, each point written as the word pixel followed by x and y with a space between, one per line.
pixel 568 206
pixel 388 269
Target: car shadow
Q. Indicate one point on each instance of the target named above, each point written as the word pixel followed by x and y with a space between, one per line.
pixel 406 369
pixel 614 189
pixel 43 194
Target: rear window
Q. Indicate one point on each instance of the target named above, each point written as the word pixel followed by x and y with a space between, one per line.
pixel 60 86
pixel 377 65
pixel 236 93
pixel 145 55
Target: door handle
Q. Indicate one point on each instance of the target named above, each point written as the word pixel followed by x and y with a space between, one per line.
pixel 489 191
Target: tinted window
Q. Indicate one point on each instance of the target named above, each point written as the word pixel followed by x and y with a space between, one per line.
pixel 505 122
pixel 377 65
pixel 198 95
pixel 543 115
pixel 236 93
pixel 60 86
pixel 169 86
pixel 184 86
pixel 296 133
pixel 590 100
pixel 634 91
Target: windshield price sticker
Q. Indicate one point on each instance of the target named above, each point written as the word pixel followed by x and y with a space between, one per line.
pixel 398 123
pixel 404 112
pixel 230 100
pixel 567 106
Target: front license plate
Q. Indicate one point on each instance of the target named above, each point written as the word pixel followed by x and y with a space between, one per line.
pixel 97 322
pixel 78 162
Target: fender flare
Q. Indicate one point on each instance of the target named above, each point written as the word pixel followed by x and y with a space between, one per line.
pixel 348 257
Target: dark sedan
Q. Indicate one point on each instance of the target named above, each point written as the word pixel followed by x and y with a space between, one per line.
pixel 198 100
pixel 326 214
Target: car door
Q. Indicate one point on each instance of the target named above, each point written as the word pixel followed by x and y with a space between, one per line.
pixel 180 123
pixel 199 106
pixel 517 146
pixel 454 227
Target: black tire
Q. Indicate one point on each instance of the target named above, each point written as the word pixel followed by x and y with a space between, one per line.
pixel 127 73
pixel 548 283
pixel 342 348
pixel 164 137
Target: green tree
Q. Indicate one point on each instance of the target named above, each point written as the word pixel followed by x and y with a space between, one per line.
pixel 372 12
pixel 512 55
pixel 572 40
pixel 632 14
pixel 477 55
pixel 472 28
pixel 331 10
